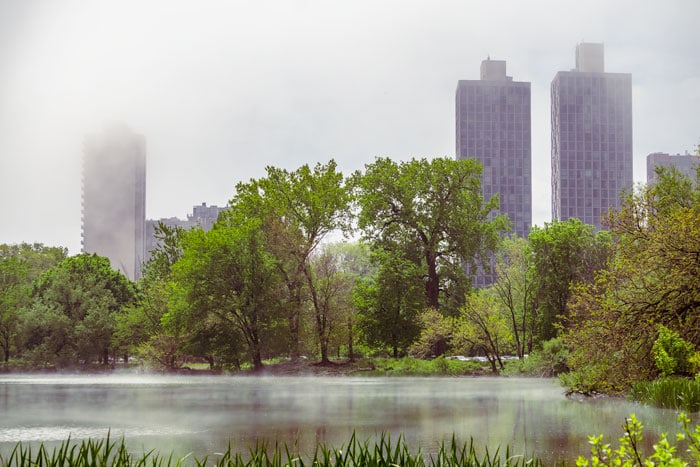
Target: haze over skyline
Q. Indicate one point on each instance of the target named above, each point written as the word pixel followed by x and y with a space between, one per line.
pixel 222 89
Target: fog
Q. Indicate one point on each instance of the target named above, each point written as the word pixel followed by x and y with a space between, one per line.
pixel 201 415
pixel 223 89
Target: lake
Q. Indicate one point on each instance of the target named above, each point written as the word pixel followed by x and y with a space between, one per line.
pixel 202 414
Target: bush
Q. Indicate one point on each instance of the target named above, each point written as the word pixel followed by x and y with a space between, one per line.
pixel 547 362
pixel 630 454
pixel 672 354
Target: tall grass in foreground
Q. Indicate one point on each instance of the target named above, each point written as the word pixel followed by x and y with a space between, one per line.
pixel 104 453
pixel 669 393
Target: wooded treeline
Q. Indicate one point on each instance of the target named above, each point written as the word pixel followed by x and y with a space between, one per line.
pixel 267 281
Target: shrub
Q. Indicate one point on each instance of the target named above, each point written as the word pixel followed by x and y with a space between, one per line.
pixel 672 354
pixel 630 454
pixel 546 362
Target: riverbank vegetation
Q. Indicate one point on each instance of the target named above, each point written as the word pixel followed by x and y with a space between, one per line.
pixel 380 452
pixel 606 310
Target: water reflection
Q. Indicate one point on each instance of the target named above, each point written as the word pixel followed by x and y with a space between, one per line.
pixel 202 414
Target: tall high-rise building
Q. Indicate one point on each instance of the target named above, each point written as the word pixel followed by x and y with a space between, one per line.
pixel 493 126
pixel 687 164
pixel 591 138
pixel 114 198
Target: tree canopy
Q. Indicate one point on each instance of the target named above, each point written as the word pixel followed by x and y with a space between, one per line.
pixel 433 208
pixel 653 279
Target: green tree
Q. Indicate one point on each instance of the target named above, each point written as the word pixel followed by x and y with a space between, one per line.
pixel 516 289
pixel 74 309
pixel 389 303
pixel 333 290
pixel 19 266
pixel 483 327
pixel 654 279
pixel 14 294
pixel 436 330
pixel 228 276
pixel 139 330
pixel 435 207
pixel 298 209
pixel 355 264
pixel 565 253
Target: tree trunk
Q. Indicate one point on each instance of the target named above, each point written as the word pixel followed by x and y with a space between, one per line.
pixel 492 361
pixel 432 285
pixel 293 320
pixel 257 360
pixel 351 354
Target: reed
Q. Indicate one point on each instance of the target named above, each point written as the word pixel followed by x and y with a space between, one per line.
pixel 383 452
pixel 669 393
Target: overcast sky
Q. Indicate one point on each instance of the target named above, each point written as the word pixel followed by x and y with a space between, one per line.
pixel 221 89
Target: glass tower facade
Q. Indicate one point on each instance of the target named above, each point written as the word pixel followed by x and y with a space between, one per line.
pixel 591 138
pixel 493 127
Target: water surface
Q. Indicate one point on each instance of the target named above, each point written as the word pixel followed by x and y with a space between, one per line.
pixel 203 414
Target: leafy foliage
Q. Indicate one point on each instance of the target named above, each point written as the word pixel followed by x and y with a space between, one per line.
pixel 564 254
pixel 389 303
pixel 226 275
pixel 436 332
pixel 483 328
pixel 653 279
pixel 19 266
pixel 74 309
pixel 516 289
pixel 297 210
pixel 433 209
pixel 630 454
pixel 672 354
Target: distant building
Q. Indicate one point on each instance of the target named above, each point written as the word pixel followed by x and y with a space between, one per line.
pixel 685 164
pixel 202 216
pixel 493 127
pixel 114 197
pixel 591 138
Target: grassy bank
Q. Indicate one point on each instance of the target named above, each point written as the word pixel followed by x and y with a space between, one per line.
pixel 382 452
pixel 669 393
pixel 417 367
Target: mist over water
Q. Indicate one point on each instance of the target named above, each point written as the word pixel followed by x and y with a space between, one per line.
pixel 201 415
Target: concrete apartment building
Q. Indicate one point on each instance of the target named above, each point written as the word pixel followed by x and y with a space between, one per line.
pixel 591 138
pixel 687 164
pixel 114 197
pixel 493 126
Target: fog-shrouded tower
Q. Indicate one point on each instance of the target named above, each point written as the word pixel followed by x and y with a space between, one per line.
pixel 591 138
pixel 493 127
pixel 114 197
